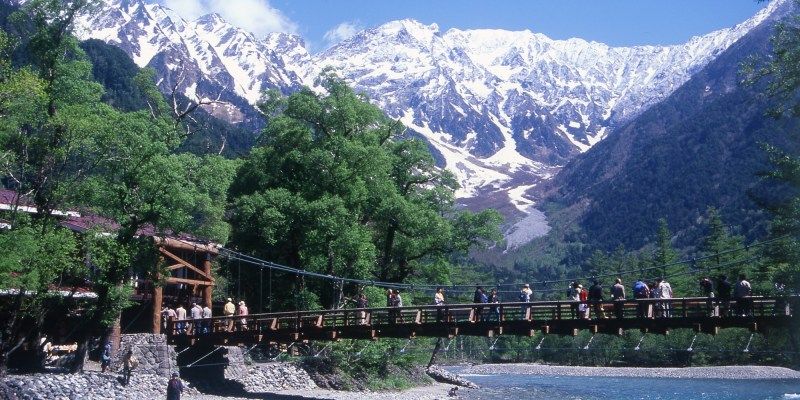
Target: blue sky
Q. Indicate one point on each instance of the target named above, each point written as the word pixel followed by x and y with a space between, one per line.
pixel 615 22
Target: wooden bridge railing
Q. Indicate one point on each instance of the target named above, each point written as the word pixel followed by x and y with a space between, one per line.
pixel 562 317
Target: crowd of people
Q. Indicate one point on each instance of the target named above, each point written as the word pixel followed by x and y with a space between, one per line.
pixel 199 320
pixel 591 300
pixel 585 302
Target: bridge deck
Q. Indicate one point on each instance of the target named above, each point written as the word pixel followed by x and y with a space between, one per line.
pixel 521 319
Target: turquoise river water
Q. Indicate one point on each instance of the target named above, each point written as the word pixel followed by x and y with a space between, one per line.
pixel 523 387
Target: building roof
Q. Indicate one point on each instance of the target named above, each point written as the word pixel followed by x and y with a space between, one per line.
pixel 83 222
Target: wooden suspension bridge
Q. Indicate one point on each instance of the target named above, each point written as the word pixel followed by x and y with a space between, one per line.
pixel 758 314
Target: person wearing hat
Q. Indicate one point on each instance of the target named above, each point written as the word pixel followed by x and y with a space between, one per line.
pixel 174 387
pixel 243 312
pixel 229 310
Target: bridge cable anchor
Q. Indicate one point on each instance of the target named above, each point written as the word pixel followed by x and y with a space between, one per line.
pixel 691 345
pixel 747 348
pixel 639 345
pixel 539 346
pixel 588 343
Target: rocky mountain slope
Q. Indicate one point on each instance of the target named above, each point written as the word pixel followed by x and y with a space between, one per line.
pixel 503 110
pixel 699 148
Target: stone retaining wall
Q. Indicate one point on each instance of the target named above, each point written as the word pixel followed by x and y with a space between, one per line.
pixel 89 385
pixel 154 354
pixel 276 376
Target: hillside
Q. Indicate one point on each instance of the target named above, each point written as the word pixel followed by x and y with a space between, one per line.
pixel 699 148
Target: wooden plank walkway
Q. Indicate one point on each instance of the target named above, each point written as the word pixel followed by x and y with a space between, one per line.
pixel 521 319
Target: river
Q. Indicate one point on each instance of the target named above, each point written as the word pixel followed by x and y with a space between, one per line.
pixel 502 386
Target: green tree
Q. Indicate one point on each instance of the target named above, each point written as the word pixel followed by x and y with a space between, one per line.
pixel 781 71
pixel 717 245
pixel 64 147
pixel 333 186
pixel 664 254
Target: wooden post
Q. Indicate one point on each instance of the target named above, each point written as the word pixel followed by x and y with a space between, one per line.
pixel 157 303
pixel 207 289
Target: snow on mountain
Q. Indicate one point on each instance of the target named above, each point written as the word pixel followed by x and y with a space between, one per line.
pixel 503 110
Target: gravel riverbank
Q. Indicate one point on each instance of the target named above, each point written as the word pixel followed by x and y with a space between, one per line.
pixel 437 391
pixel 726 372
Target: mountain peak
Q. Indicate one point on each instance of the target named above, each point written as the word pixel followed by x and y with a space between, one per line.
pixel 410 26
pixel 212 18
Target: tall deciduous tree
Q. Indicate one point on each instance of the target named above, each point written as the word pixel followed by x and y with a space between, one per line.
pixel 334 186
pixel 63 147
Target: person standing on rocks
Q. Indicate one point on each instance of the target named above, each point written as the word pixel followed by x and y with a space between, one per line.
pixel 243 312
pixel 229 310
pixel 174 387
pixel 207 322
pixel 180 314
pixel 105 358
pixel 129 362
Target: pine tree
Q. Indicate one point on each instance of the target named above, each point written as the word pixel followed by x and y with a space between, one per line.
pixel 664 253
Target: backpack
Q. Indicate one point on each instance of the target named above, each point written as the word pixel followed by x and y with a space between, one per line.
pixel 640 289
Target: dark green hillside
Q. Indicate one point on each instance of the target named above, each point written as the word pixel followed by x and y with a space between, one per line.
pixel 699 148
pixel 116 71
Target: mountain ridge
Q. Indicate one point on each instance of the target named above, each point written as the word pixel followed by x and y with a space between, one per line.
pixel 503 110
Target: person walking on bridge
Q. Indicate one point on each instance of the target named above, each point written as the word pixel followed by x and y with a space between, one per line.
pixel 724 289
pixel 584 307
pixel 742 293
pixel 495 310
pixel 207 322
pixel 229 310
pixel 438 300
pixel 479 298
pixel 525 297
pixel 180 314
pixel 197 319
pixel 707 289
pixel 618 295
pixel 664 291
pixel 574 294
pixel 596 298
pixel 243 312
pixel 641 292
pixel 362 304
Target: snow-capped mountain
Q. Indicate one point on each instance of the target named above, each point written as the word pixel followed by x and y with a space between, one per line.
pixel 502 109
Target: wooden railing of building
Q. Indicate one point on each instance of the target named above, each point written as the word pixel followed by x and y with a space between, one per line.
pixel 521 319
